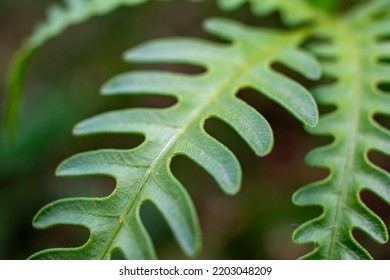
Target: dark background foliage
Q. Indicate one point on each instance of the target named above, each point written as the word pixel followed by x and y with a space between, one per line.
pixel 62 88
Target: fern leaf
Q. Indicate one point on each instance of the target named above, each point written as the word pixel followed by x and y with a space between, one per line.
pixel 357 51
pixel 143 174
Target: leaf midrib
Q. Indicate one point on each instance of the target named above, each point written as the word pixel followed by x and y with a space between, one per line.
pixel 345 36
pixel 263 54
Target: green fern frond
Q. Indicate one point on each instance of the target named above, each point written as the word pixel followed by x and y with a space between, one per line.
pixel 356 51
pixel 143 174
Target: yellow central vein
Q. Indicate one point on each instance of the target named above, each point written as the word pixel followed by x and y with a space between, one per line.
pixel 345 37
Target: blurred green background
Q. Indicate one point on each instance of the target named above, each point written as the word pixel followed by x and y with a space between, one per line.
pixel 63 88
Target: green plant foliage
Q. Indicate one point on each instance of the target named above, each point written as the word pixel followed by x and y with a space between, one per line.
pixel 356 55
pixel 73 12
pixel 353 57
pixel 143 174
